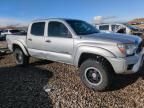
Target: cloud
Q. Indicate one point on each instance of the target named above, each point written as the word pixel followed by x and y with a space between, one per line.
pixel 102 19
pixel 12 21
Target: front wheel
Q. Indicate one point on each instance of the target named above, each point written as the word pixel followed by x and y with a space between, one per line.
pixel 20 58
pixel 94 75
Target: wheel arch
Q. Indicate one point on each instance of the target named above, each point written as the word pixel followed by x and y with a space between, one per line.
pixel 91 52
pixel 85 56
pixel 21 46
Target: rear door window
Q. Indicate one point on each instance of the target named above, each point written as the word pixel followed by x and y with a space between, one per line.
pixel 14 31
pixel 104 27
pixel 4 31
pixel 37 29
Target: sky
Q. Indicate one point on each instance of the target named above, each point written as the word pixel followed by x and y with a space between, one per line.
pixel 27 10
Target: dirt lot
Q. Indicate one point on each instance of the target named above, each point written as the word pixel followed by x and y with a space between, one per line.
pixel 22 87
pixel 3 44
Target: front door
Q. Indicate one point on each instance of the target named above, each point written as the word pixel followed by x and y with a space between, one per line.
pixel 59 42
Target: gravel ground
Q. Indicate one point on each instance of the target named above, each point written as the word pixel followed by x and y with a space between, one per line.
pixel 24 87
pixel 3 44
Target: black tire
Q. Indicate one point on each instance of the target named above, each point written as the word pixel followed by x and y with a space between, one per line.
pixel 95 75
pixel 20 58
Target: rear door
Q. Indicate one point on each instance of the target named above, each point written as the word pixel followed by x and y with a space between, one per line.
pixel 36 39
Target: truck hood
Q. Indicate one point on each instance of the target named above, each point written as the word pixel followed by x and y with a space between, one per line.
pixel 113 37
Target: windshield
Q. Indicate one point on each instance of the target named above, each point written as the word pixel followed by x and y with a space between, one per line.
pixel 81 27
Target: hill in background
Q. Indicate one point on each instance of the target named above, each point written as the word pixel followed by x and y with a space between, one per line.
pixel 137 22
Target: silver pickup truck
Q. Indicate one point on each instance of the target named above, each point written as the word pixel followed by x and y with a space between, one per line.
pixel 99 56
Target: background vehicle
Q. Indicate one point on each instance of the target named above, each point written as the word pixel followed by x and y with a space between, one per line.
pixel 1 37
pixel 0 32
pixel 10 31
pixel 120 28
pixel 97 55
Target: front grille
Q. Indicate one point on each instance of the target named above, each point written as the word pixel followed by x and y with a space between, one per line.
pixel 140 47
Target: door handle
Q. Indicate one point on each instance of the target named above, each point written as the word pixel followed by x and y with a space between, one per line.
pixel 30 39
pixel 48 41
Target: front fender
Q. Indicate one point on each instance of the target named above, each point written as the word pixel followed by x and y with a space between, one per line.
pixel 91 50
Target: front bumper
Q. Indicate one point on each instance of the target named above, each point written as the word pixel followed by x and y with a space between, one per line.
pixel 127 65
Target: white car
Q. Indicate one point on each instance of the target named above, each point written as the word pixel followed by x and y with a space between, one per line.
pixel 9 31
pixel 6 32
pixel 119 28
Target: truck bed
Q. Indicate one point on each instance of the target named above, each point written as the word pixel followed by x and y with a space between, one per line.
pixel 14 39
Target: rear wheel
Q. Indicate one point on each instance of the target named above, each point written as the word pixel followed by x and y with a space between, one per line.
pixel 95 75
pixel 20 58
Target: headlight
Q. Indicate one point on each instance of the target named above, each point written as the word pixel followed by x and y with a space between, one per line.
pixel 130 49
pixel 127 49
